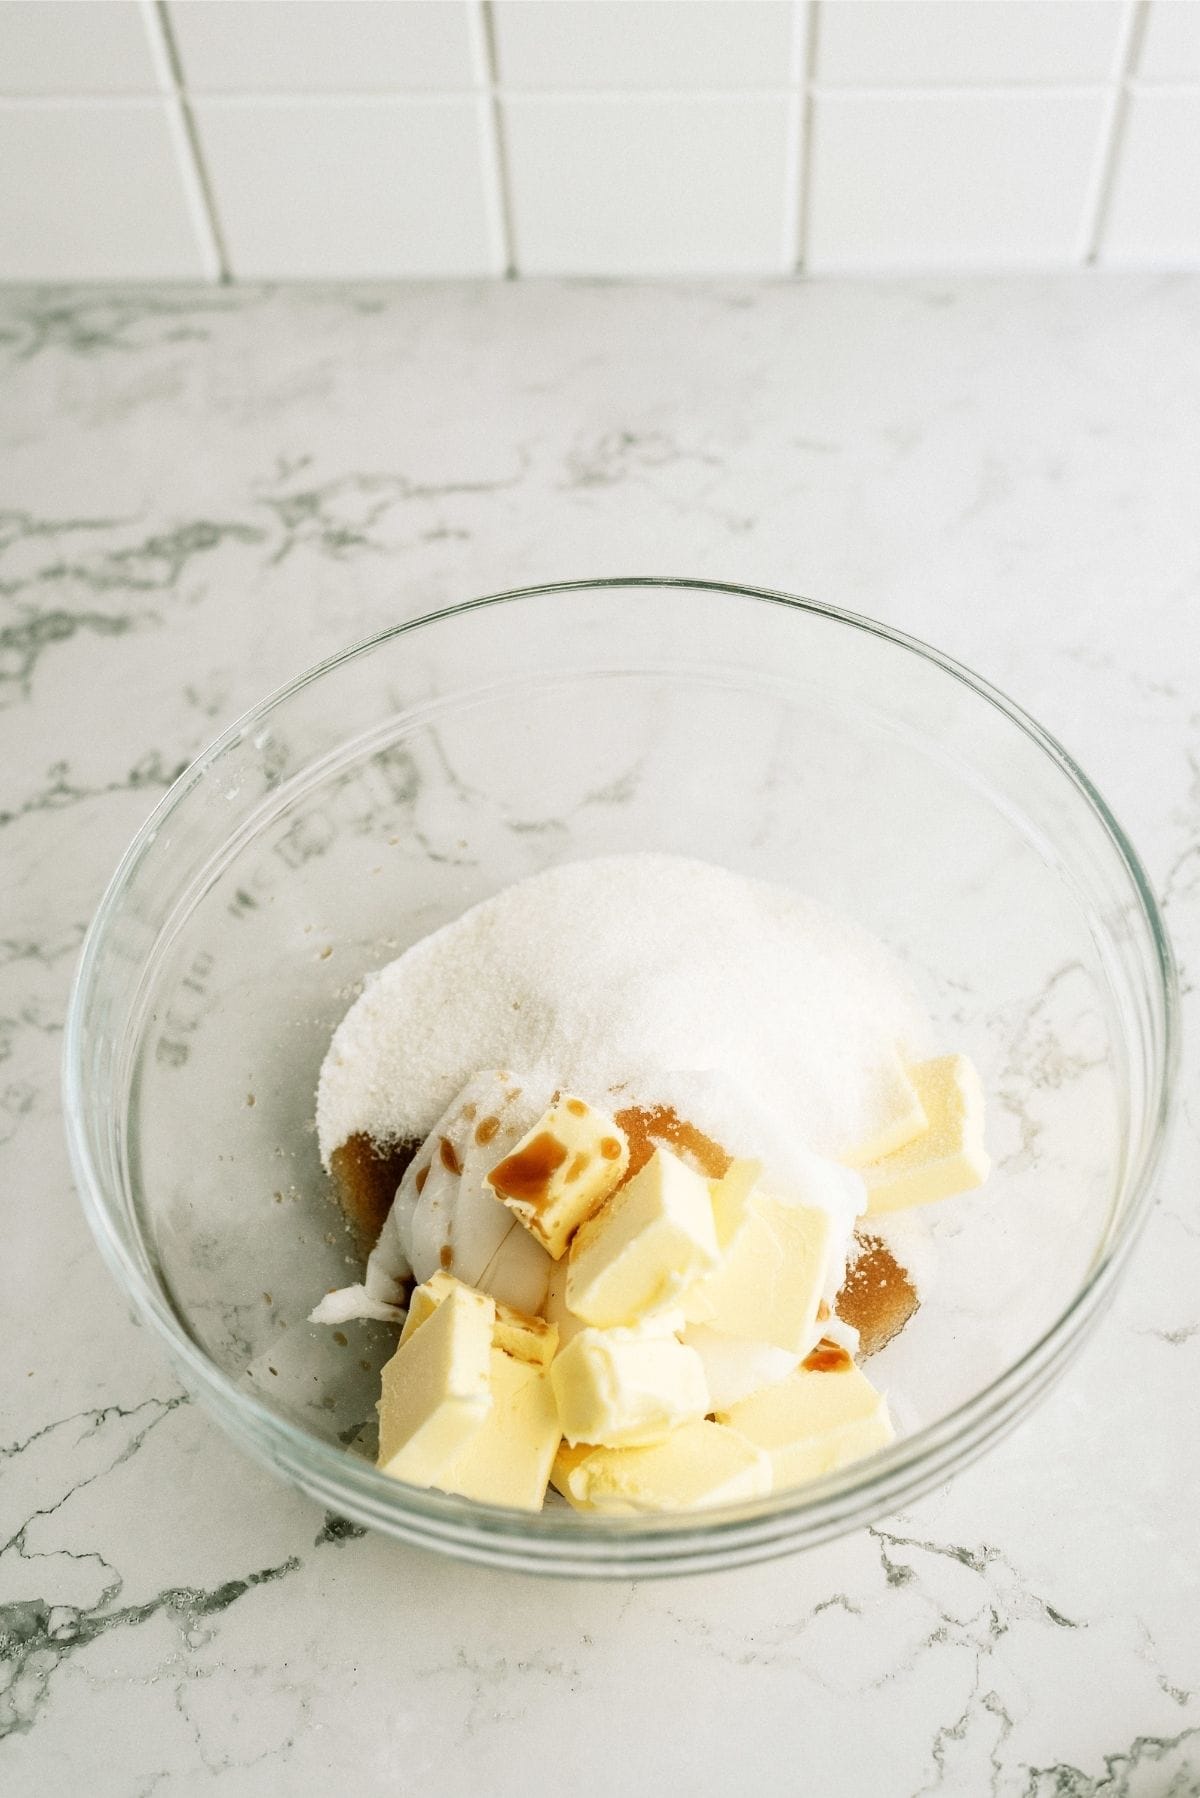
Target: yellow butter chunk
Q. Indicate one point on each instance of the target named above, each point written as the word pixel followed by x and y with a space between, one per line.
pixel 813 1423
pixel 436 1388
pixel 896 1102
pixel 516 1332
pixel 648 1245
pixel 699 1465
pixel 566 1461
pixel 950 1156
pixel 621 1388
pixel 769 1285
pixel 561 1171
pixel 425 1301
pixel 508 1459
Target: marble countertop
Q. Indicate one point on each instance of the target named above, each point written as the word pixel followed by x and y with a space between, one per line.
pixel 205 491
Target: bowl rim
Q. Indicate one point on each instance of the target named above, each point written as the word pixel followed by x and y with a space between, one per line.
pixel 554 1541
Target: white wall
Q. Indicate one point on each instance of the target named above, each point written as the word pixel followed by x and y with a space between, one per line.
pixel 384 138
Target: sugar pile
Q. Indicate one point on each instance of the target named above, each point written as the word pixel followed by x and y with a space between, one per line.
pixel 645 973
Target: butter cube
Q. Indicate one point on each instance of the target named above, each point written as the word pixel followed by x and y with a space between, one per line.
pixel 950 1156
pixel 770 1283
pixel 699 1465
pixel 897 1102
pixel 670 1322
pixel 561 1171
pixel 527 1338
pixel 649 1244
pixel 436 1388
pixel 565 1462
pixel 625 1388
pixel 425 1301
pixel 814 1422
pixel 508 1459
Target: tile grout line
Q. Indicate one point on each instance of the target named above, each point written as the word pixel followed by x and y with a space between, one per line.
pixel 1098 202
pixel 197 188
pixel 804 50
pixel 789 254
pixel 493 156
pixel 321 96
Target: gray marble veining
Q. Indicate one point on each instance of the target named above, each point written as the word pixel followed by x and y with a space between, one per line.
pixel 200 494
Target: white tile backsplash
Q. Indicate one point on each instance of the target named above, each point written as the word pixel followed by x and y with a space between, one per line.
pixel 647 187
pixel 1171 42
pixel 623 44
pixel 330 46
pixel 955 180
pixel 894 43
pixel 65 47
pixel 368 189
pixel 1154 215
pixel 95 190
pixel 389 138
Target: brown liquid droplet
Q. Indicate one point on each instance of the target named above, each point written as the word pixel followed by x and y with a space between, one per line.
pixel 449 1156
pixel 610 1148
pixel 828 1357
pixel 822 1312
pixel 577 1166
pixel 648 1126
pixel 527 1174
pixel 340 1337
pixel 421 1177
pixel 446 1257
pixel 468 1112
pixel 577 1108
pixel 486 1128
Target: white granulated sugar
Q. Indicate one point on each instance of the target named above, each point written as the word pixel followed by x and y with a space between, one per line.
pixel 637 972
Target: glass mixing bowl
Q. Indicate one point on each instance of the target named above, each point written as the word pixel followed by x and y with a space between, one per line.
pixel 382 793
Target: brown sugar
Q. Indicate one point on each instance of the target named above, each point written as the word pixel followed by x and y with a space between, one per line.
pixel 878 1296
pixel 365 1178
pixel 648 1126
